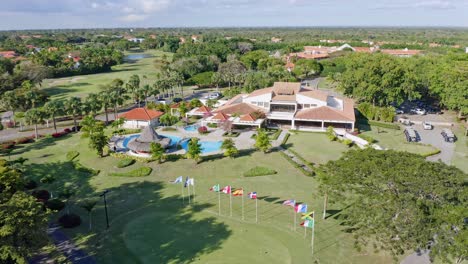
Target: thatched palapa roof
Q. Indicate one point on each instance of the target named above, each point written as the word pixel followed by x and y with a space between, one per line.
pixel 148 136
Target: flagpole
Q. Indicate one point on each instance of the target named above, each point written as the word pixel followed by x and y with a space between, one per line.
pixel 256 210
pixel 313 235
pixel 219 202
pixel 242 204
pixel 182 188
pixel 193 189
pixel 230 202
pixel 305 231
pixel 188 190
pixel 325 201
pixel 294 211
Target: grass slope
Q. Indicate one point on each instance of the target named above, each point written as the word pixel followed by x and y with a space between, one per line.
pixel 151 224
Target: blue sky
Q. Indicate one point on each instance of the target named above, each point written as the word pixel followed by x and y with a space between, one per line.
pixel 39 14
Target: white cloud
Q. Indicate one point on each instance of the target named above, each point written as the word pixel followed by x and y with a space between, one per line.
pixel 149 6
pixel 133 18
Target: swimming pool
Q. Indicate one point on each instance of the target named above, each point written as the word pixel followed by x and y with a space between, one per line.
pixel 206 146
pixel 191 128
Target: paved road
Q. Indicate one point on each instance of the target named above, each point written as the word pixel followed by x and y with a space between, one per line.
pixel 434 138
pixel 417 258
pixel 66 247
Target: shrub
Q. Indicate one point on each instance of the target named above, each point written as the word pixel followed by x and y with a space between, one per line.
pixel 331 134
pixel 348 142
pixel 59 134
pixel 203 130
pixel 69 220
pixel 212 125
pixel 29 184
pixel 55 204
pixel 71 155
pixel 67 130
pixel 42 195
pixel 259 171
pixel 307 163
pixel 79 167
pixel 367 138
pixel 7 145
pixel 231 134
pixel 305 172
pixel 125 156
pixel 432 153
pixel 126 131
pixel 125 162
pixel 140 172
pixel 47 179
pixel 24 140
pixel 174 157
pixel 203 79
pixel 169 129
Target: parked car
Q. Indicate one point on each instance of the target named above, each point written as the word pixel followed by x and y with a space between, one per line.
pixel 399 111
pixel 405 121
pixel 213 96
pixel 448 135
pixel 418 111
pixel 177 100
pixel 411 135
pixel 434 110
pixel 427 125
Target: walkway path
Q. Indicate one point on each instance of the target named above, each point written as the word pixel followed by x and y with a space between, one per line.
pixel 277 144
pixel 66 247
pixel 417 258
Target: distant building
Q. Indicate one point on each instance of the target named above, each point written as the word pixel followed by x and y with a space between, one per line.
pixel 136 40
pixel 9 54
pixel 141 117
pixel 276 40
pixel 401 53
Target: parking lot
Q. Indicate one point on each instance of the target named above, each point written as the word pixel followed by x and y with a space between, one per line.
pixel 434 138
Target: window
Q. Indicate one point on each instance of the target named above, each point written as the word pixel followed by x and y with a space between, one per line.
pixel 260 104
pixel 254 103
pixel 313 105
pixel 266 105
pixel 306 105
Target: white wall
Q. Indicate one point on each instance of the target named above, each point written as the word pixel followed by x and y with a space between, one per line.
pixel 139 123
pixel 266 98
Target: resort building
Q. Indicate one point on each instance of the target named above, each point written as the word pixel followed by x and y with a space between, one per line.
pixel 201 111
pixel 140 118
pixel 287 105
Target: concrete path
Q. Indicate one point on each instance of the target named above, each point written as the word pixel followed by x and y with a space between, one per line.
pixel 66 247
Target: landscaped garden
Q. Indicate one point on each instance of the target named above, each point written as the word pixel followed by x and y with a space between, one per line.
pixel 151 223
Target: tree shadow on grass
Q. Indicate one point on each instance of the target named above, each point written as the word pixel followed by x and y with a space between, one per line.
pixel 147 227
pixel 40 144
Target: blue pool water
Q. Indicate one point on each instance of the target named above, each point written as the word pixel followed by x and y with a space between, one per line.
pixel 207 146
pixel 192 128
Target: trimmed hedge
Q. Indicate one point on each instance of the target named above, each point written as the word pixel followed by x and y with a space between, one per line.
pixel 140 172
pixel 125 156
pixel 307 163
pixel 259 171
pixel 79 167
pixel 285 139
pixel 123 131
pixel 71 155
pixel 169 129
pixel 276 134
pixel 384 125
pixel 367 138
pixel 125 162
pixel 432 153
pixel 232 134
pixel 306 173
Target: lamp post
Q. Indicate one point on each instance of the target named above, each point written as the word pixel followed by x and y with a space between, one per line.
pixel 105 206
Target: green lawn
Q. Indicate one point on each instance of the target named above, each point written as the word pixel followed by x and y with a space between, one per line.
pixel 151 224
pixel 460 157
pixel 394 139
pixel 82 85
pixel 316 147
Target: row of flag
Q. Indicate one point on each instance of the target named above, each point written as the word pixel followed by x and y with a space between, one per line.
pixel 302 208
pixel 188 181
pixel 229 190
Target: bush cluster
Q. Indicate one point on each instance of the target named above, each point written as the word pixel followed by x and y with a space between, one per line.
pixel 259 171
pixel 384 125
pixel 47 179
pixel 55 204
pixel 41 195
pixel 71 155
pixel 203 130
pixel 371 112
pixel 140 172
pixel 24 140
pixel 125 162
pixel 66 131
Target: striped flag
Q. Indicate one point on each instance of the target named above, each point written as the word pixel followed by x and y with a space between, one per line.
pixel 186 183
pixel 238 192
pixel 178 180
pixel 215 188
pixel 290 203
pixel 252 195
pixel 301 208
pixel 226 190
pixel 308 223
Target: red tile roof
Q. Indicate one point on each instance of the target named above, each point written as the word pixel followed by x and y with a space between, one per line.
pixel 247 118
pixel 240 109
pixel 141 114
pixel 220 117
pixel 203 109
pixel 309 56
pixel 316 94
pixel 325 113
pixel 8 54
pixel 403 52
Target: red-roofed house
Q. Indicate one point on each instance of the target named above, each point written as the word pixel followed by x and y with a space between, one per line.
pixel 199 111
pixel 290 105
pixel 141 117
pixel 401 53
pixel 8 54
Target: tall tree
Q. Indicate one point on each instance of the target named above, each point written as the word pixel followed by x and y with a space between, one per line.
pixel 194 150
pixel 157 151
pixel 400 202
pixel 34 116
pixel 74 107
pixel 230 149
pixel 89 205
pixel 93 104
pixel 262 141
pixel 53 109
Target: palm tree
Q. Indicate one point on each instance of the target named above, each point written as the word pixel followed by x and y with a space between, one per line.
pixel 89 205
pixel 133 87
pixel 146 91
pixel 74 107
pixel 106 100
pixel 93 104
pixel 53 109
pixel 34 116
